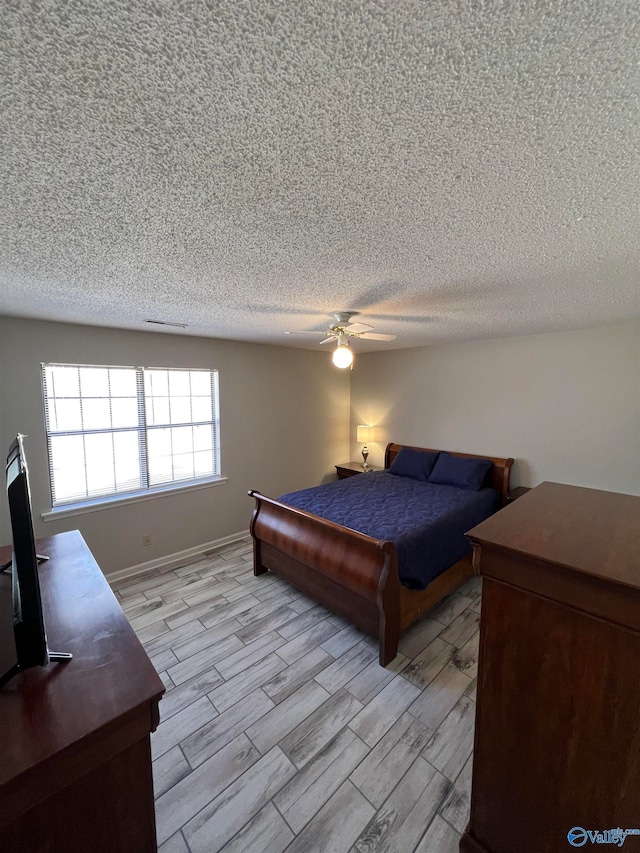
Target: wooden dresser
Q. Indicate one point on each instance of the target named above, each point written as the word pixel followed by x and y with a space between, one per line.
pixel 557 742
pixel 75 757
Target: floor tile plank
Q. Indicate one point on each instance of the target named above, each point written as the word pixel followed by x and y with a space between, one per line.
pixel 431 661
pixel 472 587
pixel 466 658
pixel 163 660
pixel 171 639
pixel 176 728
pixel 152 632
pixel 131 602
pixel 472 690
pixel 400 823
pixel 179 697
pixel 180 803
pixel 267 832
pixel 263 608
pixel 136 583
pixel 376 718
pixel 159 610
pixel 455 808
pixel 245 682
pixel 175 844
pixel 222 611
pixel 235 663
pixel 419 636
pixel 283 718
pixel 222 570
pixel 292 677
pixel 194 642
pixel 217 733
pixel 374 677
pixel 319 779
pixel 215 609
pixel 343 640
pixel 202 661
pixel 439 838
pixel 169 770
pixel 450 608
pixel 206 590
pixel 302 603
pixel 435 701
pixel 386 764
pixel 461 629
pixel 271 622
pixel 347 666
pixel 218 822
pixel 306 641
pixel 451 745
pixel 172 587
pixel 337 825
pixel 303 621
pixel 307 739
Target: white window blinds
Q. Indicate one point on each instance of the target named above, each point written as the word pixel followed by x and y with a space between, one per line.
pixel 120 430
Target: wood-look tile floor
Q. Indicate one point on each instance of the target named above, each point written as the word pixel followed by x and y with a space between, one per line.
pixel 280 731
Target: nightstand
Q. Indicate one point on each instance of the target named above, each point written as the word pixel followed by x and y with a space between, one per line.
pixel 516 493
pixel 350 469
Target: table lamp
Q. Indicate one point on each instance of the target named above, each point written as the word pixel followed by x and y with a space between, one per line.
pixel 364 433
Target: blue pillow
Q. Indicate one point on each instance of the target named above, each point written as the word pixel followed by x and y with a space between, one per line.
pixel 460 471
pixel 413 463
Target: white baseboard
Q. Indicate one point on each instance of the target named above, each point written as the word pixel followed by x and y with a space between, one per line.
pixel 159 562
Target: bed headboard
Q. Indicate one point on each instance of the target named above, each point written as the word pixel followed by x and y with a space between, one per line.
pixel 497 476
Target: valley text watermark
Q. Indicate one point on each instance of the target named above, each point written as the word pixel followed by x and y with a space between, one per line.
pixel 578 836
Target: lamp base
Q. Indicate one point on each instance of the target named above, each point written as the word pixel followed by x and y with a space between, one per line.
pixel 365 453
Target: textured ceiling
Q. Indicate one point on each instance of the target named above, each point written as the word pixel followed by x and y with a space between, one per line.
pixel 453 170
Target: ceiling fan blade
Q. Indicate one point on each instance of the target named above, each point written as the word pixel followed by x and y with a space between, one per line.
pixel 305 333
pixel 328 340
pixel 367 337
pixel 356 328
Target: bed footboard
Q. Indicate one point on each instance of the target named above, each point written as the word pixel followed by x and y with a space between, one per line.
pixel 352 574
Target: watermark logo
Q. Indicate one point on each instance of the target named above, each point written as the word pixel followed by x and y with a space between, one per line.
pixel 578 837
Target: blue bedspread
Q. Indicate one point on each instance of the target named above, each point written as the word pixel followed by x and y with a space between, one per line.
pixel 426 522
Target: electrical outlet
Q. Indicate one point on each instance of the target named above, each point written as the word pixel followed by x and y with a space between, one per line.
pixel 146 539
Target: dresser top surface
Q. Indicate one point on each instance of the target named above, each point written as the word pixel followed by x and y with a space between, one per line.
pixel 586 530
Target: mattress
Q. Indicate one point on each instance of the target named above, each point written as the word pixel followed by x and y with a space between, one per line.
pixel 426 522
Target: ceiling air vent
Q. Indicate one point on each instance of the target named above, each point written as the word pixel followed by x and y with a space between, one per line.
pixel 164 323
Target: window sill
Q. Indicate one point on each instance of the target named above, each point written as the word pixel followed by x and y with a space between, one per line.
pixel 106 503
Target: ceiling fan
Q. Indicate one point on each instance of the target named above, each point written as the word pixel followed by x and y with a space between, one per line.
pixel 341 330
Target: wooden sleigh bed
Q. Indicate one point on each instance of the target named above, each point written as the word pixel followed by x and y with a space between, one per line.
pixel 350 573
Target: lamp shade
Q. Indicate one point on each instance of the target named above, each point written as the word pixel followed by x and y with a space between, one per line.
pixel 364 433
pixel 342 356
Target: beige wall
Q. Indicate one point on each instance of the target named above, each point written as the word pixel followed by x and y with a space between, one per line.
pixel 566 406
pixel 284 417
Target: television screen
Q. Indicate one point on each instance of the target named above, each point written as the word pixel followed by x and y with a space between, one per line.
pixel 28 621
pixel 29 635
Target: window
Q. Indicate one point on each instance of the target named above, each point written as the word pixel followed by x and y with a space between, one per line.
pixel 116 431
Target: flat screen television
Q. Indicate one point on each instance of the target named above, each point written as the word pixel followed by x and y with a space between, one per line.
pixel 28 620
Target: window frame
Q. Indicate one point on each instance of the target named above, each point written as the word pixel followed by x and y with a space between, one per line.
pixel 148 491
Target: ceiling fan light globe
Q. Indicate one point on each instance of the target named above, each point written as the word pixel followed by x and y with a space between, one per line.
pixel 342 357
